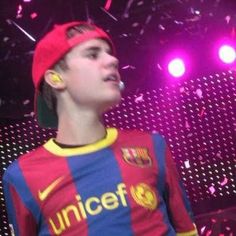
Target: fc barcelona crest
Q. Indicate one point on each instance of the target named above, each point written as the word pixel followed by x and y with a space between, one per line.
pixel 137 156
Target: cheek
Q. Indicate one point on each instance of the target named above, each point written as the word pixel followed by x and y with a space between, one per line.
pixel 85 71
pixel 83 78
pixel 80 86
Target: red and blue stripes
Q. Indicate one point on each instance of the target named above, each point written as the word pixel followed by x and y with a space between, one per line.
pixel 98 192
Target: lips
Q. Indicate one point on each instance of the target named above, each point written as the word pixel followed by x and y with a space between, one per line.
pixel 112 77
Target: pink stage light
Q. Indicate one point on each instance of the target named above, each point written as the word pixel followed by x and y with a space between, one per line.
pixel 227 54
pixel 176 67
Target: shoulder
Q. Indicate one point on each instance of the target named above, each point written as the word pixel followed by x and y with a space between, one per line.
pixel 138 134
pixel 14 168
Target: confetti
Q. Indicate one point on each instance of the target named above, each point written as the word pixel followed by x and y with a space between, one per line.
pixel 128 5
pixel 202 112
pixel 148 19
pixel 109 14
pixel 178 22
pixel 218 155
pixel 189 135
pixel 139 99
pixel 161 27
pixel 108 5
pixel 187 126
pixel 208 233
pixel 26 102
pixel 124 35
pixel 200 157
pixel 187 164
pixel 159 66
pixel 193 19
pixel 213 220
pixel 191 10
pixel 13 44
pixel 19 11
pixel 182 90
pixel 166 16
pixel 31 114
pixel 199 93
pixel 135 24
pixel 128 67
pixel 224 182
pixel 141 32
pixel 203 229
pixel 212 189
pixel 228 18
pixel 5 39
pixel 140 3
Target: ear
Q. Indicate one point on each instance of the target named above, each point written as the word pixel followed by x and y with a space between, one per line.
pixel 54 79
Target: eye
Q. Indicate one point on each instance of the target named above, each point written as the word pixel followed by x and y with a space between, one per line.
pixel 110 52
pixel 92 55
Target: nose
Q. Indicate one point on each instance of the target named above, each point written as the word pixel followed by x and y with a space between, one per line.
pixel 111 61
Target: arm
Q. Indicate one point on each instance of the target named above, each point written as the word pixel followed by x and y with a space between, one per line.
pixel 178 206
pixel 21 220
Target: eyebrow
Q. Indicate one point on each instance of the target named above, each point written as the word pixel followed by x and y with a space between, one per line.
pixel 97 49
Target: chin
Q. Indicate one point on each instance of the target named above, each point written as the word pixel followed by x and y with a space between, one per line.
pixel 111 103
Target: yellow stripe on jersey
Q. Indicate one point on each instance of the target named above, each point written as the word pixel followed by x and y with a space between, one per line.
pixel 110 138
pixel 189 233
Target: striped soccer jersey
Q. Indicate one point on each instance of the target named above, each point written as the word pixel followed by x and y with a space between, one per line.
pixel 125 184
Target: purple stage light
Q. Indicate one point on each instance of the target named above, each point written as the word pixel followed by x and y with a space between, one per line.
pixel 176 67
pixel 227 54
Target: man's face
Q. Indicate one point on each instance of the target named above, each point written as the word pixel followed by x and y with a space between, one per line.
pixel 93 77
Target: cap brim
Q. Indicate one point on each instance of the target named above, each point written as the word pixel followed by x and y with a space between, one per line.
pixel 45 116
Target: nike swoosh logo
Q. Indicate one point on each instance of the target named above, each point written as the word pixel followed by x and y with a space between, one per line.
pixel 44 194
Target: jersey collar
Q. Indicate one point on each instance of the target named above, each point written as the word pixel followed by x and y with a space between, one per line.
pixel 110 138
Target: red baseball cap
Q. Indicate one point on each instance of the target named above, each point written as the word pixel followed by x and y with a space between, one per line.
pixel 49 50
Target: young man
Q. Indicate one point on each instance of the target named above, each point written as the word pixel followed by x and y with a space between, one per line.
pixel 90 180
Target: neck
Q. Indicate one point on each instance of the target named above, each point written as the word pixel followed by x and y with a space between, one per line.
pixel 80 128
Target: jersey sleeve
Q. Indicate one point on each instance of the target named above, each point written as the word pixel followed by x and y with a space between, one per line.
pixel 20 219
pixel 178 205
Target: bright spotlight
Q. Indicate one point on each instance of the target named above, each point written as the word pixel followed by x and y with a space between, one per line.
pixel 227 54
pixel 176 67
